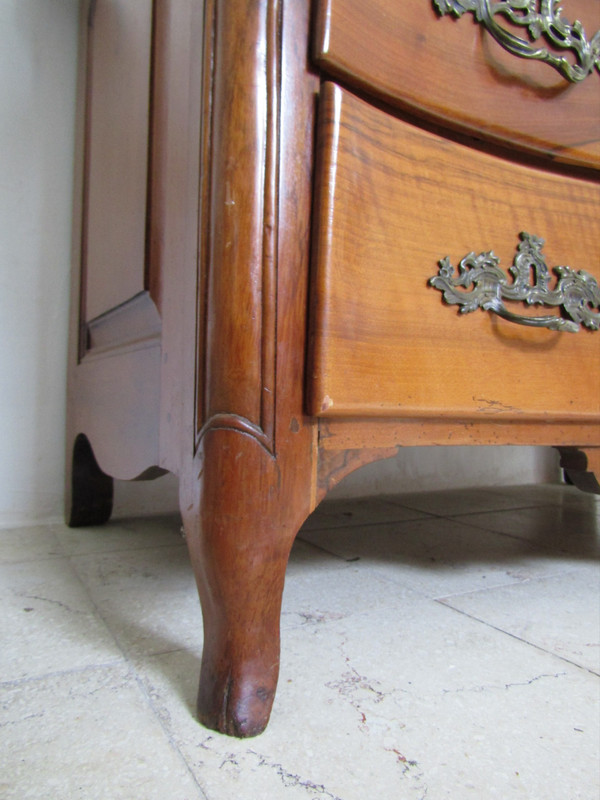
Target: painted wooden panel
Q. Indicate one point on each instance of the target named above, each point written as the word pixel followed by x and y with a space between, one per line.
pixel 117 135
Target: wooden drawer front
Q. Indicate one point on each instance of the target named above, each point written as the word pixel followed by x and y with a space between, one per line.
pixel 391 201
pixel 451 70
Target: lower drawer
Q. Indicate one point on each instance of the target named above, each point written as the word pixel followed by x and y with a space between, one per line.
pixel 393 200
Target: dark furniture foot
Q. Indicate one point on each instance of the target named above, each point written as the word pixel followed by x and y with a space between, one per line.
pixel 91 497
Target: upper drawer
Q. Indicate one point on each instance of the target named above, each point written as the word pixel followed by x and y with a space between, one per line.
pixel 453 71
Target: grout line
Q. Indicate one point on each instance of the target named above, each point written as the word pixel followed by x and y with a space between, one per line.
pixel 366 524
pixel 520 639
pixel 508 584
pixel 103 552
pixel 167 733
pixel 65 672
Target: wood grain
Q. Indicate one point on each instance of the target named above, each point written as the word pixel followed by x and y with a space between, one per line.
pixel 356 433
pixel 451 71
pixel 249 483
pixel 392 201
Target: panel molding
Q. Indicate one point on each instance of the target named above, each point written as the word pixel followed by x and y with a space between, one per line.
pixel 237 301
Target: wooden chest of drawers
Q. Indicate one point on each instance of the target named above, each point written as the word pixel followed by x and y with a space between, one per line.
pixel 263 243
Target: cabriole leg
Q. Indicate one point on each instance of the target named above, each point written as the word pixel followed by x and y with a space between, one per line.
pixel 239 532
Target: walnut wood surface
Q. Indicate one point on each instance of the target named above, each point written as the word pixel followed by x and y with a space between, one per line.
pixel 452 71
pixel 250 482
pixel 392 201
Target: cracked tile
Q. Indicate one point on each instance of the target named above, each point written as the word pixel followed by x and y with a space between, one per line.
pixel 48 621
pixel 311 599
pixel 463 711
pixel 404 701
pixel 560 614
pixel 57 740
pixel 384 691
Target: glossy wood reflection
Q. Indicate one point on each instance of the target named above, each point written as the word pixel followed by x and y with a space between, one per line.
pixel 451 71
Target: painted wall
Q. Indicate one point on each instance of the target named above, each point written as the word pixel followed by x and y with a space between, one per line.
pixel 37 85
pixel 37 104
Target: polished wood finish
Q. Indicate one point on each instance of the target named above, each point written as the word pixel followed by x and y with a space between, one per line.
pixel 383 342
pixel 195 360
pixel 452 72
pixel 254 446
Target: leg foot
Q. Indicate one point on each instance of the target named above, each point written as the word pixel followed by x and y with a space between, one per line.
pixel 239 533
pixel 582 465
pixel 90 499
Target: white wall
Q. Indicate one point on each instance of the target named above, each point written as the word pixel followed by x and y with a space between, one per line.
pixel 38 41
pixel 37 84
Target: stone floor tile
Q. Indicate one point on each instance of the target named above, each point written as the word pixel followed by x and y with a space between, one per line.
pixel 343 513
pixel 436 556
pixel 449 502
pixel 124 534
pixel 560 613
pixel 87 734
pixel 423 656
pixel 564 530
pixel 147 597
pixel 48 621
pixel 28 544
pixel 420 703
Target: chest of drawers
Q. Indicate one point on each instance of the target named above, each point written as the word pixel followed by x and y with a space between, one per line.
pixel 273 202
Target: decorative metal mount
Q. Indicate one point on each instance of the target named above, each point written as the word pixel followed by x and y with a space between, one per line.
pixel 577 293
pixel 545 24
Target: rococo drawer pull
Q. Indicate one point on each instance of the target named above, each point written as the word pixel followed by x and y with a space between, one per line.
pixel 546 24
pixel 577 293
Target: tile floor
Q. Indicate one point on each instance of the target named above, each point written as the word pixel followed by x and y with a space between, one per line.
pixel 434 645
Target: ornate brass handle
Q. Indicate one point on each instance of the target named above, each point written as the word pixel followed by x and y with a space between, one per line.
pixel 543 24
pixel 577 293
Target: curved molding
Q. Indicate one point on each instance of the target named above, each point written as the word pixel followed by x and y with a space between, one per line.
pixel 546 25
pixel 335 465
pixel 232 422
